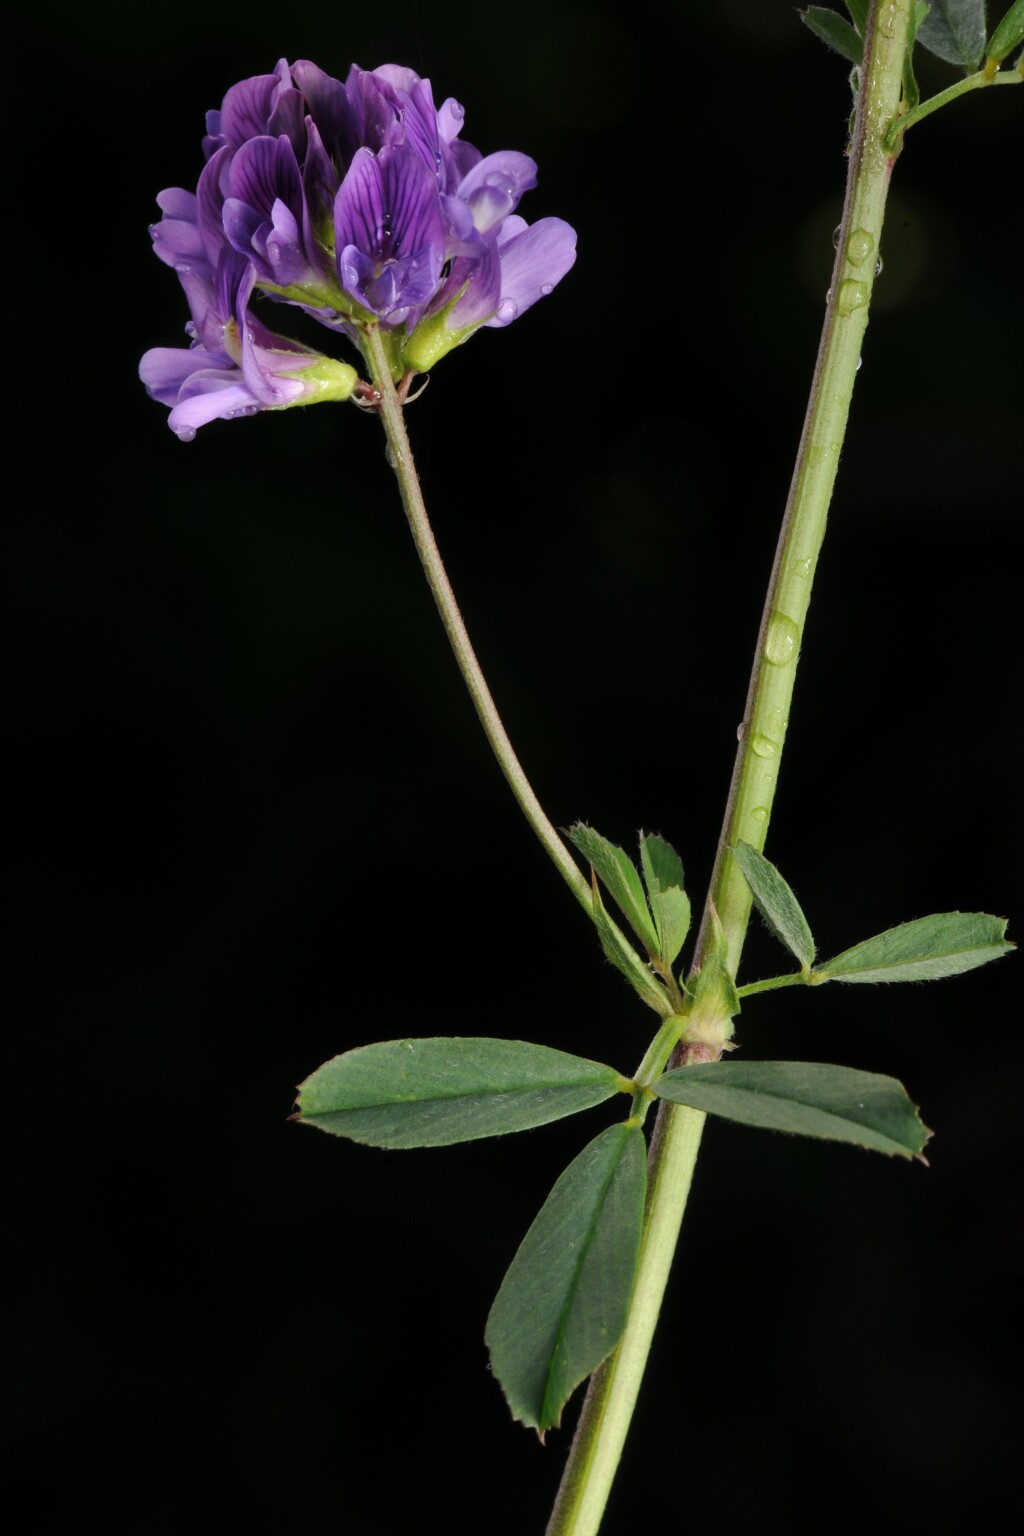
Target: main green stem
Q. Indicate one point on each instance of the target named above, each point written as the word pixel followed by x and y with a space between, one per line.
pixel 606 1414
pixel 604 1420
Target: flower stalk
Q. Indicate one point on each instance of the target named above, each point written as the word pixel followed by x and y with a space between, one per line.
pixel 401 460
pixel 390 406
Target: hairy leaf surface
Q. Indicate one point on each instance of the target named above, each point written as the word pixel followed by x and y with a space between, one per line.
pixel 437 1091
pixel 562 1306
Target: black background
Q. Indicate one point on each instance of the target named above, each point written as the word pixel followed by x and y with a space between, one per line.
pixel 256 823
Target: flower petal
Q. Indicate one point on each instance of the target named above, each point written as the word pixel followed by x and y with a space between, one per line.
pixel 376 109
pixel 481 281
pixel 178 241
pixel 388 206
pixel 495 184
pixel 210 195
pixel 265 169
pixel 164 370
pixel 532 262
pixel 248 106
pixel 211 396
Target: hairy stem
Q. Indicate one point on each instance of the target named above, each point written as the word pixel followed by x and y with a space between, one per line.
pixel 614 1387
pixel 604 1421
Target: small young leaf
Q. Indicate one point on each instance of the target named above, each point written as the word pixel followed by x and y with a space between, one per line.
pixel 663 874
pixel 437 1091
pixel 626 960
pixel 618 872
pixel 712 988
pixel 954 30
pixel 858 10
pixel 911 91
pixel 1008 34
pixel 925 950
pixel 834 30
pixel 562 1306
pixel 806 1098
pixel 776 903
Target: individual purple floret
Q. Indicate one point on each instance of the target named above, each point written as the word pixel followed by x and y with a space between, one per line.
pixel 360 203
pixel 235 367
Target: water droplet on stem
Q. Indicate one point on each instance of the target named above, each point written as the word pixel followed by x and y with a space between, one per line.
pixel 853 294
pixel 859 247
pixel 781 640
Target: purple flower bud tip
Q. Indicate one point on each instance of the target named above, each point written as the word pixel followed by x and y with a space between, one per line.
pixel 357 202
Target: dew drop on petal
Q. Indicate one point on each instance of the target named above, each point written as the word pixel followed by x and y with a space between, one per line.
pixel 458 111
pixel 546 288
pixel 507 311
pixel 186 434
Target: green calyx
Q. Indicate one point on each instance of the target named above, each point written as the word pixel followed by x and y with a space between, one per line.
pixel 323 295
pixel 432 339
pixel 326 380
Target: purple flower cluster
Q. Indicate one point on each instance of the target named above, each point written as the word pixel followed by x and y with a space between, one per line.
pixel 359 203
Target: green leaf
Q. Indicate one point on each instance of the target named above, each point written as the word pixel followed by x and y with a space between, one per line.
pixel 955 30
pixel 436 1091
pixel 911 91
pixel 713 983
pixel 776 903
pixel 858 10
pixel 917 15
pixel 626 960
pixel 834 30
pixel 806 1098
pixel 663 875
pixel 562 1306
pixel 1008 34
pixel 925 950
pixel 617 871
